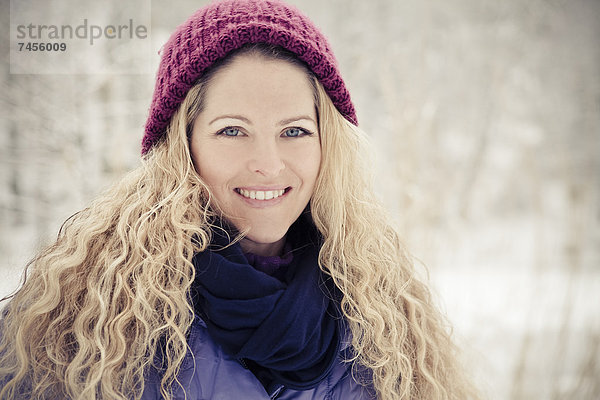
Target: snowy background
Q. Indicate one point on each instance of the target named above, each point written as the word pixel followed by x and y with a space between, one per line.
pixel 485 121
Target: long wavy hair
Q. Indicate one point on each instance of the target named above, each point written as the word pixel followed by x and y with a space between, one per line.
pixel 112 294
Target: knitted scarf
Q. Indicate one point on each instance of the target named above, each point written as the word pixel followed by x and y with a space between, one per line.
pixel 288 328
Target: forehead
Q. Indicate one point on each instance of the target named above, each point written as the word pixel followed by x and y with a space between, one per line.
pixel 252 83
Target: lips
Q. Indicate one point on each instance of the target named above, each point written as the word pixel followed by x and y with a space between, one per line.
pixel 262 194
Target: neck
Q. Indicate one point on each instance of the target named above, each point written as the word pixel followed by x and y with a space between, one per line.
pixel 262 249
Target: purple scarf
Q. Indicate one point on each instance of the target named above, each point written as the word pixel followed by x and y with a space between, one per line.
pixel 287 329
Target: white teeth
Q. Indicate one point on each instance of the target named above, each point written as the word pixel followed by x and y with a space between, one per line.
pixel 261 195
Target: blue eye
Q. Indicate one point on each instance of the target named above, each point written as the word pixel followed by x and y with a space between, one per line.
pixel 229 132
pixel 295 132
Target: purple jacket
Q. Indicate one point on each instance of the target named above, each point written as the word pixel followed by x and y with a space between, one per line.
pixel 207 373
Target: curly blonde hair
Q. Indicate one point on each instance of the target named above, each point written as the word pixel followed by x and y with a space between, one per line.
pixel 111 295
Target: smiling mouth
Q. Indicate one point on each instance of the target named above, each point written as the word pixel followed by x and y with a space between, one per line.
pixel 262 194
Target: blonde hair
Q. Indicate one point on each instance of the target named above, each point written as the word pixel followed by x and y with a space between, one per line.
pixel 398 333
pixel 110 298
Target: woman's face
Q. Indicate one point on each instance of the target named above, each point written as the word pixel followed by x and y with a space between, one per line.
pixel 256 145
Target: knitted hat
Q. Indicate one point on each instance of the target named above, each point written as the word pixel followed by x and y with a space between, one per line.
pixel 220 27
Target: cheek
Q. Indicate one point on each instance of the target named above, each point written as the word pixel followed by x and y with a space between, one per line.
pixel 210 165
pixel 308 164
pixel 315 165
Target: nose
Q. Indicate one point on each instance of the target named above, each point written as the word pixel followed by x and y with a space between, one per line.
pixel 266 158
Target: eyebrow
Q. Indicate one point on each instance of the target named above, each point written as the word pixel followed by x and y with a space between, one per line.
pixel 246 120
pixel 296 119
pixel 230 116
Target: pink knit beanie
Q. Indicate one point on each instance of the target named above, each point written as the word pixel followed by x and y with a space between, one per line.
pixel 215 30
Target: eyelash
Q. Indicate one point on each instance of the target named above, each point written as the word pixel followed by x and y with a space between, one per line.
pixel 303 132
pixel 222 131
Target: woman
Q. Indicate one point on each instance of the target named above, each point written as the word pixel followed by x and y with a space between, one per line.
pixel 246 257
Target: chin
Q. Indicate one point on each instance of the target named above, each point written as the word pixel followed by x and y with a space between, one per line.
pixel 267 230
